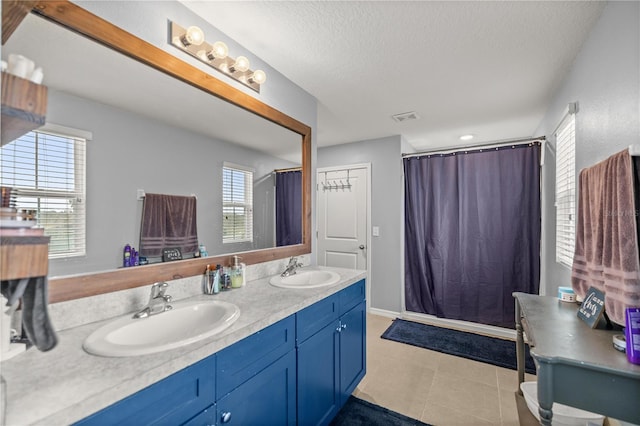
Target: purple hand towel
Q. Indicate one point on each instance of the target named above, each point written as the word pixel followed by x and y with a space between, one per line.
pixel 168 221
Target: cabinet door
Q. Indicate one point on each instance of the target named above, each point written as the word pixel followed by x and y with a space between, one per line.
pixel 318 377
pixel 268 398
pixel 352 350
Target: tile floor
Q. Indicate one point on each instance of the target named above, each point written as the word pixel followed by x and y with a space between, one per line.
pixel 435 388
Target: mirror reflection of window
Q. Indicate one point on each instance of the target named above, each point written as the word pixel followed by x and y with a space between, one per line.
pixel 237 204
pixel 46 172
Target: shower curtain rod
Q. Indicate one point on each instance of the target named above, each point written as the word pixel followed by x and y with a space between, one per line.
pixel 290 169
pixel 495 144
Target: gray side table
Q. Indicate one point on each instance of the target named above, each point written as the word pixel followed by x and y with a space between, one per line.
pixel 577 365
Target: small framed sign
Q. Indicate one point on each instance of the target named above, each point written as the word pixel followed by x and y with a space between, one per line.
pixel 170 254
pixel 592 307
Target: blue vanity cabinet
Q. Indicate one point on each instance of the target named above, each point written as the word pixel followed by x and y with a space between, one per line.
pixel 331 354
pixel 173 400
pixel 256 378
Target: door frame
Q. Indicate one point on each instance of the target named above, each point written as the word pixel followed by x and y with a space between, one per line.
pixel 367 167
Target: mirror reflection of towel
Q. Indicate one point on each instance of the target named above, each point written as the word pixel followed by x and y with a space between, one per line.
pixel 168 221
pixel 35 316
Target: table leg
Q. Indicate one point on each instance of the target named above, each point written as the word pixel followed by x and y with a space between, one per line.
pixel 519 347
pixel 545 394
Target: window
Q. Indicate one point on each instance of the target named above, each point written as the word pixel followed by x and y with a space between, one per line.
pixel 565 137
pixel 237 204
pixel 47 174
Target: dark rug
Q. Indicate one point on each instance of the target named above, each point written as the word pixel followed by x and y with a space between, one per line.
pixel 357 412
pixel 460 343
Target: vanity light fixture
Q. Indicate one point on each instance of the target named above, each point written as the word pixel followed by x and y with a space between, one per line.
pixel 192 41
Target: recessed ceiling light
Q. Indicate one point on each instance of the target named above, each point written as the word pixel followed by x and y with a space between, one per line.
pixel 466 137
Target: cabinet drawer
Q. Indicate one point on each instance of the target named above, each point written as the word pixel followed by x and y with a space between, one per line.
pixel 173 400
pixel 351 296
pixel 313 318
pixel 245 359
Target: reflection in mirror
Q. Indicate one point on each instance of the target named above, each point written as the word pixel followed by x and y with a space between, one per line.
pixel 151 133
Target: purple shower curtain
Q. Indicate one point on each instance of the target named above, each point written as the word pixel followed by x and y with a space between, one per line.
pixel 472 232
pixel 288 208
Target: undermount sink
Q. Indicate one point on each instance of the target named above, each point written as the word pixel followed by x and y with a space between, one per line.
pixel 186 323
pixel 310 278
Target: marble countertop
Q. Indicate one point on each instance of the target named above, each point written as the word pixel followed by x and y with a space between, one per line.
pixel 66 384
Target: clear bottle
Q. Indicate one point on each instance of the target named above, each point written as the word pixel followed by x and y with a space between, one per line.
pixel 237 273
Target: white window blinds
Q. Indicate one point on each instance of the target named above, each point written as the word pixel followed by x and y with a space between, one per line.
pixel 237 204
pixel 566 190
pixel 47 174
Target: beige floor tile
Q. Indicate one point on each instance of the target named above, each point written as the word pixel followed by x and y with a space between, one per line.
pixel 441 415
pixel 508 379
pixel 471 398
pixel 468 369
pixel 401 386
pixel 508 408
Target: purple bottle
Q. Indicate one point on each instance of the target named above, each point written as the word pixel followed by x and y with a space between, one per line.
pixel 632 334
pixel 126 262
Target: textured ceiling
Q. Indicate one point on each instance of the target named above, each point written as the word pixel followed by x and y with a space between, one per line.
pixel 486 68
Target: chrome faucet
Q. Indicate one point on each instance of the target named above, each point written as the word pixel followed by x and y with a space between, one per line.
pixel 158 301
pixel 291 267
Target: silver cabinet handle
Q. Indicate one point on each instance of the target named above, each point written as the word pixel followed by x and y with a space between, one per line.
pixel 225 417
pixel 339 329
pixel 344 326
pixel 361 247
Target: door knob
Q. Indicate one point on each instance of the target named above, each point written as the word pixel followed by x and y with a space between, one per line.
pixel 361 247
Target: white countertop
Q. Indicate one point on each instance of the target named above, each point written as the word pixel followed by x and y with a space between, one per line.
pixel 66 384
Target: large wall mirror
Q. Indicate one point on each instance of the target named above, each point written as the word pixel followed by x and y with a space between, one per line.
pixel 157 125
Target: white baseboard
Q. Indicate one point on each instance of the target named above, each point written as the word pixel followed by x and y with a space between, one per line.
pixel 384 313
pixel 488 330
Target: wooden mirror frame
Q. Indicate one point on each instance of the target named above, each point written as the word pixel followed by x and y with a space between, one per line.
pixel 83 22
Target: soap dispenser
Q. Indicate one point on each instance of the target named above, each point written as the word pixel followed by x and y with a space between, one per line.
pixel 238 278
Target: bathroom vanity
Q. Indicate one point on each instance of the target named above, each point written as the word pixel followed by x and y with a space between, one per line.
pixel 292 357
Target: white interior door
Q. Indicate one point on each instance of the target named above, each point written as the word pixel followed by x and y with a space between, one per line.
pixel 342 216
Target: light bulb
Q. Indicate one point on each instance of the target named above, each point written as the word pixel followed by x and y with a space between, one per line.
pixel 258 77
pixel 241 64
pixel 219 50
pixel 194 35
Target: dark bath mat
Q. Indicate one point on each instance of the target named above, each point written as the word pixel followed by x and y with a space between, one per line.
pixel 357 412
pixel 460 343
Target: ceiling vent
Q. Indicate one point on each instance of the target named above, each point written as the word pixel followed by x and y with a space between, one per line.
pixel 405 116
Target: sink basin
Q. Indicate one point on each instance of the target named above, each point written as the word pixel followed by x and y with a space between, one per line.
pixel 310 278
pixel 186 323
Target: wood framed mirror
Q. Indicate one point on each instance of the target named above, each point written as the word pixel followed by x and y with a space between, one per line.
pixel 80 21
